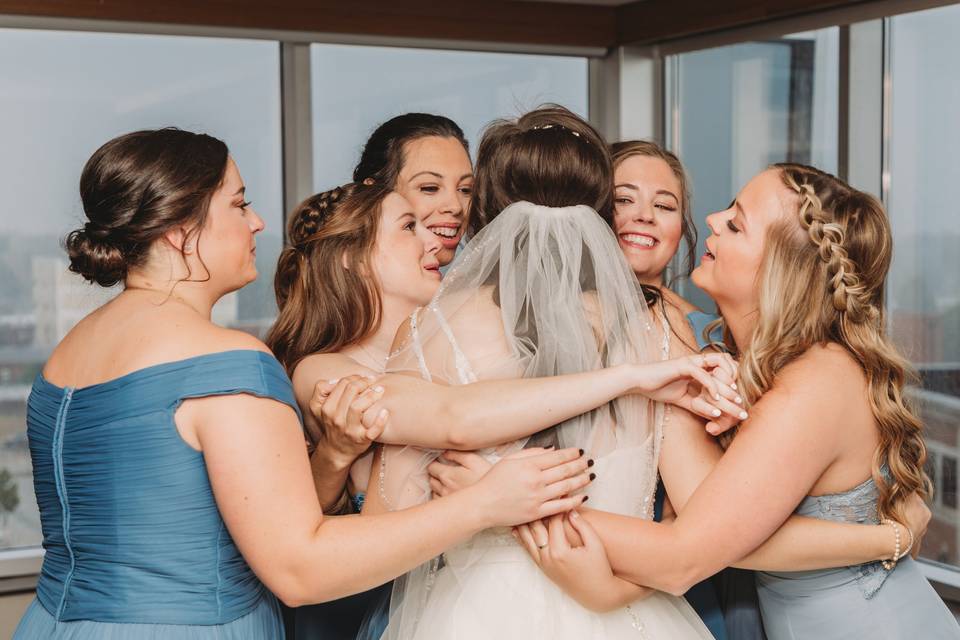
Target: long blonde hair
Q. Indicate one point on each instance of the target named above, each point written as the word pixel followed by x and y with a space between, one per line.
pixel 822 280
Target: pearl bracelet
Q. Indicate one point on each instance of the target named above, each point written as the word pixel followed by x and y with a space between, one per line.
pixel 890 564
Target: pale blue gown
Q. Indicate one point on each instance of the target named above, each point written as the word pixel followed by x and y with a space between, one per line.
pixel 863 601
pixel 135 545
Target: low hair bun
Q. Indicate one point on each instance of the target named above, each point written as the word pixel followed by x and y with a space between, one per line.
pixel 94 257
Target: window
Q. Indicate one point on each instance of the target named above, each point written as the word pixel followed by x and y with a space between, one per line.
pixel 355 88
pixel 740 108
pixel 924 284
pixel 67 94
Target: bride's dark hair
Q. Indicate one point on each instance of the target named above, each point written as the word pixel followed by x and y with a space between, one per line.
pixel 550 156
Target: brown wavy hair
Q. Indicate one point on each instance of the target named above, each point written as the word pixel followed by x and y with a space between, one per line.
pixel 620 151
pixel 328 295
pixel 549 156
pixel 822 280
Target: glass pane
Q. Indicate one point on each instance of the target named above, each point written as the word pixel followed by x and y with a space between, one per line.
pixel 924 287
pixel 356 88
pixel 63 95
pixel 742 107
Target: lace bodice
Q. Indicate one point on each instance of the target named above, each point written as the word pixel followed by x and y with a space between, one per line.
pixel 857 505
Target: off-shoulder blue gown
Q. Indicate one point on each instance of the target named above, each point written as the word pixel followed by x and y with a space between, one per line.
pixel 135 545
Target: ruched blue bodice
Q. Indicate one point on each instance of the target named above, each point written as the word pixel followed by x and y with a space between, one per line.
pixel 130 526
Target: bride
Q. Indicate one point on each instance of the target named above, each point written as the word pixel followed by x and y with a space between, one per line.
pixel 542 290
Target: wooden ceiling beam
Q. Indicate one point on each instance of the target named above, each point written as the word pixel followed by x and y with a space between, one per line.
pixel 652 21
pixel 505 21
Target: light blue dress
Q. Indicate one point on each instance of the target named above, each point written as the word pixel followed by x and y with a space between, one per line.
pixel 864 601
pixel 135 545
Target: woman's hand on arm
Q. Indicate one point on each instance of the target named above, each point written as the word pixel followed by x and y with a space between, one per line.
pixel 786 444
pixel 456 470
pixel 582 571
pixel 260 475
pixel 333 391
pixel 335 415
pixel 464 418
pixel 809 543
pixel 688 455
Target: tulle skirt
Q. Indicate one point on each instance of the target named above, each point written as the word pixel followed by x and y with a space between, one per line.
pixel 263 623
pixel 505 596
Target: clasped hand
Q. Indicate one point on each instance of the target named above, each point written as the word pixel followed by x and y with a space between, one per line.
pixel 343 424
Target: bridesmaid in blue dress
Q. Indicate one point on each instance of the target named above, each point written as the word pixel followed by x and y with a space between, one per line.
pixel 169 464
pixel 798 265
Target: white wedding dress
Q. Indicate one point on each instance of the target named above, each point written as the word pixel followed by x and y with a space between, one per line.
pixel 539 292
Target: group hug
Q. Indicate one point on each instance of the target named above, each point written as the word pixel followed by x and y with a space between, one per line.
pixel 481 412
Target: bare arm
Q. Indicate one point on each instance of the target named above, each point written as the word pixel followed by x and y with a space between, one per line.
pixel 493 411
pixel 788 443
pixel 490 412
pixel 688 456
pixel 334 426
pixel 259 471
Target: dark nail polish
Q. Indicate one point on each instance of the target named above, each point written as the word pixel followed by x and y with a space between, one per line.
pixel 593 477
pixel 589 463
pixel 585 498
pixel 581 451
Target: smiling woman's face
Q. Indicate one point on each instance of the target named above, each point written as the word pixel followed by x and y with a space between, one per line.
pixel 728 271
pixel 437 179
pixel 648 219
pixel 405 256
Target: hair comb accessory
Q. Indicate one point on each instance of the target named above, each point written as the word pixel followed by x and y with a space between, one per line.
pixel 558 126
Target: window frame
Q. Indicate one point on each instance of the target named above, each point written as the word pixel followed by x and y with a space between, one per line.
pixel 863 144
pixel 20 566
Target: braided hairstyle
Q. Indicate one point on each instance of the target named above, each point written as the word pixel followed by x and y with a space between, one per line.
pixel 327 293
pixel 822 280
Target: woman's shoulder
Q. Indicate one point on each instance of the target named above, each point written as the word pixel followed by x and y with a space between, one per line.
pixel 325 366
pixel 827 369
pixel 112 343
pixel 683 337
pixel 679 303
pixel 195 340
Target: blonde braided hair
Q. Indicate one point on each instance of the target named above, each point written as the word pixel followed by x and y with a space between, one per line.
pixel 850 296
pixel 822 280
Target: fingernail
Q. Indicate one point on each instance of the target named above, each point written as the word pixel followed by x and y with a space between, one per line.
pixel 589 463
pixel 585 498
pixel 715 413
pixel 733 385
pixel 716 396
pixel 743 415
pixel 378 389
pixel 334 381
pixel 574 515
pixel 581 451
pixel 593 477
pixel 383 413
pixel 738 400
